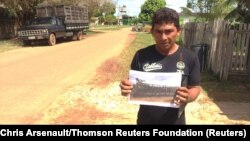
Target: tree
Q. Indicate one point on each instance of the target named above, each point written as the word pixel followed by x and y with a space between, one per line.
pixel 95 7
pixel 108 8
pixel 241 12
pixel 149 7
pixel 110 19
pixel 233 10
pixel 21 10
pixel 106 13
pixel 206 10
pixel 24 10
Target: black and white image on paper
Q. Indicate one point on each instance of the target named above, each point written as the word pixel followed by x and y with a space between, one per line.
pixel 154 88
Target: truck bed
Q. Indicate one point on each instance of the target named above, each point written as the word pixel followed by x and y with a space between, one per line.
pixel 71 14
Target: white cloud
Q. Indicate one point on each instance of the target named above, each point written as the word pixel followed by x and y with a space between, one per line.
pixel 176 4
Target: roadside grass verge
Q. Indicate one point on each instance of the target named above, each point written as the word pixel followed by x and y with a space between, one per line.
pixel 107 27
pixel 93 32
pixel 11 44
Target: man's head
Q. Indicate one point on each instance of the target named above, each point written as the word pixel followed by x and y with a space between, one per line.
pixel 166 15
pixel 165 30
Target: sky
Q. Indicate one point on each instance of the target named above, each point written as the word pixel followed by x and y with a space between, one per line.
pixel 134 6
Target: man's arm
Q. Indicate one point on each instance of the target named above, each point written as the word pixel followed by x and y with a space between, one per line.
pixel 187 94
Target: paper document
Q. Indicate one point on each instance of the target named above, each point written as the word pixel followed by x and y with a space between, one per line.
pixel 154 88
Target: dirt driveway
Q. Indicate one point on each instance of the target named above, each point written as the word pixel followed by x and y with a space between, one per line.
pixel 32 78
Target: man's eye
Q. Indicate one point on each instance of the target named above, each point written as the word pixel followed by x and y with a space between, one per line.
pixel 159 32
pixel 167 31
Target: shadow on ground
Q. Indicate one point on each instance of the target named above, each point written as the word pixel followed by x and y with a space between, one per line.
pixel 231 97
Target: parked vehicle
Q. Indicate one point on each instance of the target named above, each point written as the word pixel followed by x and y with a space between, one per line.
pixel 138 27
pixel 53 22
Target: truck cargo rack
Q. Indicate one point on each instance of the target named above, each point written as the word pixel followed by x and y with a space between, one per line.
pixel 71 14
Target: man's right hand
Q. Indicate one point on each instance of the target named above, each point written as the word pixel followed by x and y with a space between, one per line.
pixel 126 87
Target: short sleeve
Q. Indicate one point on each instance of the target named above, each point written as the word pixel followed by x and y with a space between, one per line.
pixel 135 62
pixel 194 75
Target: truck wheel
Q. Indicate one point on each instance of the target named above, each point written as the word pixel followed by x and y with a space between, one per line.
pixel 26 42
pixel 52 39
pixel 79 35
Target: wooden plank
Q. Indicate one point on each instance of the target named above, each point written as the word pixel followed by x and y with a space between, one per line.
pixel 245 46
pixel 209 34
pixel 219 46
pixel 248 54
pixel 213 46
pixel 235 37
pixel 187 33
pixel 225 50
pixel 243 31
pixel 242 49
pixel 228 55
pixel 224 58
pixel 238 53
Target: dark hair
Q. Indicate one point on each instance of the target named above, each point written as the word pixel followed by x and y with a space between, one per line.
pixel 166 15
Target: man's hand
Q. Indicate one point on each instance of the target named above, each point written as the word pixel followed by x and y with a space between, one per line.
pixel 182 95
pixel 126 87
pixel 185 95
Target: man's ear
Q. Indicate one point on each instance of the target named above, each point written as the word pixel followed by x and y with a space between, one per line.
pixel 179 30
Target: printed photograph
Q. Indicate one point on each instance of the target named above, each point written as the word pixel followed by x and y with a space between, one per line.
pixel 157 89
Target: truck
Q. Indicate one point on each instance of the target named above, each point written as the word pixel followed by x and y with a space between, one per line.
pixel 53 22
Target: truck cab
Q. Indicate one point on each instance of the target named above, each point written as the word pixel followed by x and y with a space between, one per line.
pixel 42 28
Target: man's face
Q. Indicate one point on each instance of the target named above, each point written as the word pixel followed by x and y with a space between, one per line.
pixel 165 35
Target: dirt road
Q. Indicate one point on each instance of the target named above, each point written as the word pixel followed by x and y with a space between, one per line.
pixel 32 78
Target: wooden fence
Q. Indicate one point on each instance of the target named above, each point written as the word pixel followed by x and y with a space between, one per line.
pixel 229 53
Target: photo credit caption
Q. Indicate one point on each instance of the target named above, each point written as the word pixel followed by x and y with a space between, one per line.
pixel 207 133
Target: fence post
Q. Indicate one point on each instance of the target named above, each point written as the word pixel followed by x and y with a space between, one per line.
pixel 248 60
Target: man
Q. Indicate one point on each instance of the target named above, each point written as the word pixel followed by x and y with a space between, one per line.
pixel 166 56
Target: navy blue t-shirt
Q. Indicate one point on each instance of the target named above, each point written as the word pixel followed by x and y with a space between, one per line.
pixel 150 60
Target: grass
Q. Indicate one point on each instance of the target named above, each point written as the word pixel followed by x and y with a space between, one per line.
pixel 6 45
pixel 107 27
pixel 93 32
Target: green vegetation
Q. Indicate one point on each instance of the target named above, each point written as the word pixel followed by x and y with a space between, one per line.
pixel 93 32
pixel 233 10
pixel 6 45
pixel 25 10
pixel 148 8
pixel 106 27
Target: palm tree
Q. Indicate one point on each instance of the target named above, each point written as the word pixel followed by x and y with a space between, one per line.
pixel 206 10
